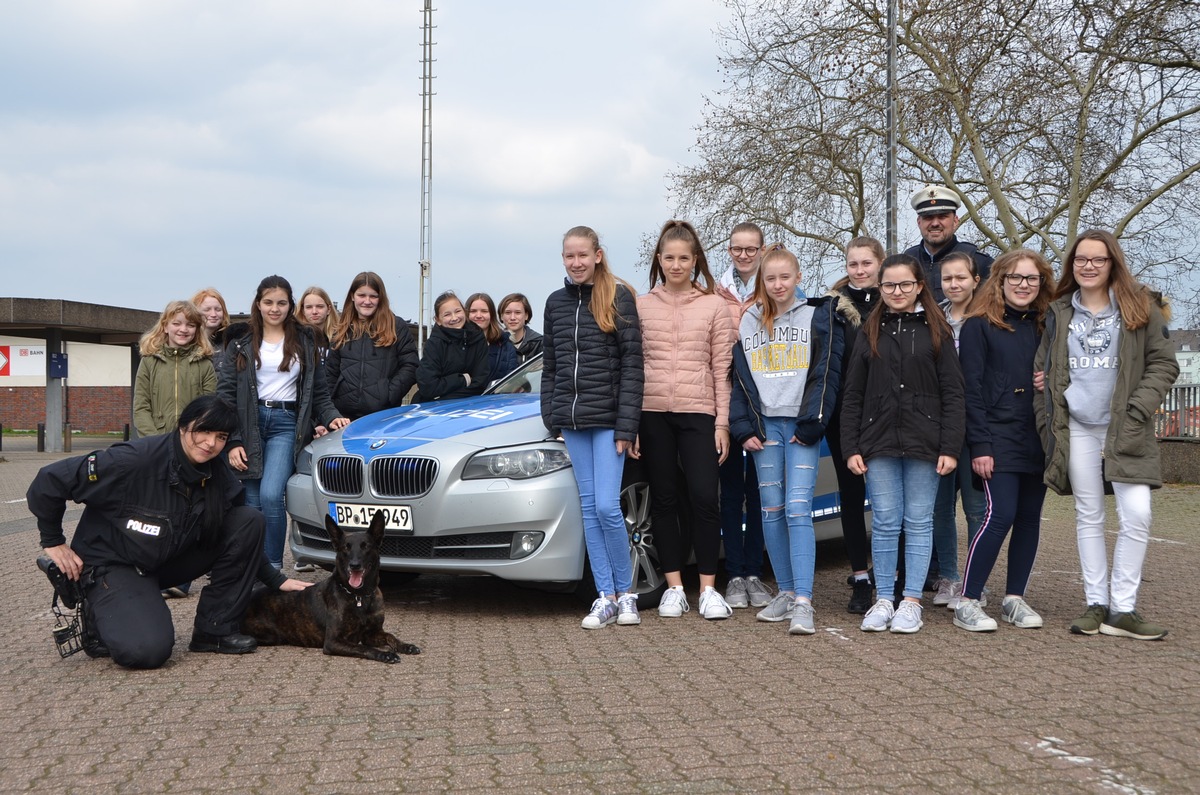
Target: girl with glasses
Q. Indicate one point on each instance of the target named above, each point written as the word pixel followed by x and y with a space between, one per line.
pixel 1106 363
pixel 902 427
pixel 996 347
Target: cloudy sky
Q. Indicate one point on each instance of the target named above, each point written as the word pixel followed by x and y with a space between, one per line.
pixel 151 147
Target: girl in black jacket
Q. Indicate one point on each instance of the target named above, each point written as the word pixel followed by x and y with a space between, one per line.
pixel 592 394
pixel 502 355
pixel 455 363
pixel 516 314
pixel 902 427
pixel 372 361
pixel 997 347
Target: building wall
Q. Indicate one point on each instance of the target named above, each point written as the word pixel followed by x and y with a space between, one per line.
pixel 89 409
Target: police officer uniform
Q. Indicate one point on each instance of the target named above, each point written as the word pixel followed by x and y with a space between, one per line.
pixel 143 529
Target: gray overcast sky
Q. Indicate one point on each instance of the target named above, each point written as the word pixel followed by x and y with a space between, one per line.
pixel 150 147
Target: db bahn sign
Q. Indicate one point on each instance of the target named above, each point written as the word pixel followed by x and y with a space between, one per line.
pixel 22 360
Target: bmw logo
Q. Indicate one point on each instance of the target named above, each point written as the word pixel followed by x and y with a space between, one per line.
pixel 375 445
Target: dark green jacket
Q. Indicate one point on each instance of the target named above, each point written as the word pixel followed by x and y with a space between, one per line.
pixel 166 382
pixel 1146 370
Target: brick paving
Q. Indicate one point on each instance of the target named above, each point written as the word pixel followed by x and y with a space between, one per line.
pixel 510 693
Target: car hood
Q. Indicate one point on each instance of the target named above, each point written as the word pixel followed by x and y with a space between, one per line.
pixel 484 421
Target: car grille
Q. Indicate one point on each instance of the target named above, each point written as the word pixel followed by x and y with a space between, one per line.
pixel 340 474
pixel 403 476
pixel 469 546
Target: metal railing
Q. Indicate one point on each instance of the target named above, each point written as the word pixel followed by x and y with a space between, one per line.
pixel 1179 415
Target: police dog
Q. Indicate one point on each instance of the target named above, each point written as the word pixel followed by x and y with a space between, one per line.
pixel 342 614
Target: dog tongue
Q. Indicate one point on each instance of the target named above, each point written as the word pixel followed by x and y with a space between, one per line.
pixel 356 578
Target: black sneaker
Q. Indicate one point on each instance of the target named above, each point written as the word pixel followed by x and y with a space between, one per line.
pixel 862 598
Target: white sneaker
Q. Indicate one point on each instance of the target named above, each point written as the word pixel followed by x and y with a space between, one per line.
pixel 878 617
pixel 947 591
pixel 603 613
pixel 969 615
pixel 674 603
pixel 1017 612
pixel 627 612
pixel 907 619
pixel 713 606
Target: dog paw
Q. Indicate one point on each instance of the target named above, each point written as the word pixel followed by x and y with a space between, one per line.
pixel 408 648
pixel 391 658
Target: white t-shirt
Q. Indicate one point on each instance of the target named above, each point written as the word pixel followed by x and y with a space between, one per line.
pixel 273 384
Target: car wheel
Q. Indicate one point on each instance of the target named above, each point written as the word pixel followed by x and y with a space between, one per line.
pixel 648 580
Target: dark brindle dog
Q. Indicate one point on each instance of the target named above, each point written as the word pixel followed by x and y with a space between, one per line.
pixel 342 614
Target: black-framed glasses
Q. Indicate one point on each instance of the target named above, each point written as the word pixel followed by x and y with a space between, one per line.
pixel 1016 279
pixel 748 251
pixel 892 287
pixel 1099 262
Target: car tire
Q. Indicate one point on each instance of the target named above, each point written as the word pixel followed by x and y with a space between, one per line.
pixel 649 583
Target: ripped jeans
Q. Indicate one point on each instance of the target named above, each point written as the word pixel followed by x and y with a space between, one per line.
pixel 788 468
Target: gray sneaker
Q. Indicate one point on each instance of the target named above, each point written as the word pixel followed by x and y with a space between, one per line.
pixel 759 592
pixel 878 617
pixel 713 606
pixel 735 593
pixel 674 603
pixel 1017 612
pixel 947 591
pixel 969 615
pixel 802 619
pixel 627 612
pixel 778 609
pixel 603 613
pixel 907 619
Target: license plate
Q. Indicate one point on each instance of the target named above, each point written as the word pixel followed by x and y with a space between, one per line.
pixel 397 518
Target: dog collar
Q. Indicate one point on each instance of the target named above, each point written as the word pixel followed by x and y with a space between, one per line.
pixel 358 600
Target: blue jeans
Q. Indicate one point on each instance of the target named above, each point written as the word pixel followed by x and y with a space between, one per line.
pixel 788 470
pixel 598 470
pixel 743 538
pixel 902 492
pixel 945 526
pixel 277 429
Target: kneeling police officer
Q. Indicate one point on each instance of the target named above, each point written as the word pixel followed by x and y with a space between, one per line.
pixel 158 511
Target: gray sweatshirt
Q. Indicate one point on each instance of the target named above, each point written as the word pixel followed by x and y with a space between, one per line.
pixel 1092 361
pixel 779 360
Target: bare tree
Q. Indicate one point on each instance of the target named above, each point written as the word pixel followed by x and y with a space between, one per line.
pixel 1047 116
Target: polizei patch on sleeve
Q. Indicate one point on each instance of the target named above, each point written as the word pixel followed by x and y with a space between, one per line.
pixel 145 528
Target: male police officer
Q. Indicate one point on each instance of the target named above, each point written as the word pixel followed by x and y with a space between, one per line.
pixel 937 218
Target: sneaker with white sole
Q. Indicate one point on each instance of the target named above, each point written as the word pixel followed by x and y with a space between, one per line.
pixel 674 603
pixel 627 612
pixel 778 609
pixel 759 592
pixel 878 617
pixel 1131 625
pixel 803 619
pixel 713 606
pixel 1016 611
pixel 603 613
pixel 735 593
pixel 969 615
pixel 907 619
pixel 304 568
pixel 947 591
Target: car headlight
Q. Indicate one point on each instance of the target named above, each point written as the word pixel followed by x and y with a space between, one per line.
pixel 516 464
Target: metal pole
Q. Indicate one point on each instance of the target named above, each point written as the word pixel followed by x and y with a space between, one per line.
pixel 889 169
pixel 426 258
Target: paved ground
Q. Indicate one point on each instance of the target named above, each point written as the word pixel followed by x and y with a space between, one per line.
pixel 511 693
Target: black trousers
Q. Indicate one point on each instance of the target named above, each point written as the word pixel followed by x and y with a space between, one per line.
pixel 128 612
pixel 853 491
pixel 669 441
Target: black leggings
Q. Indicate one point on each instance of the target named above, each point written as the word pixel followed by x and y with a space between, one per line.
pixel 853 491
pixel 669 441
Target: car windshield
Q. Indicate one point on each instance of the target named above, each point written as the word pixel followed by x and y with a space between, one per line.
pixel 526 378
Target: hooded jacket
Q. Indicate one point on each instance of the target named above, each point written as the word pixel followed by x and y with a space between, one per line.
pixel 932 263
pixel 687 342
pixel 364 377
pixel 449 353
pixel 998 373
pixel 529 346
pixel 165 383
pixel 822 377
pixel 907 402
pixel 853 305
pixel 1146 370
pixel 591 378
pixel 240 388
